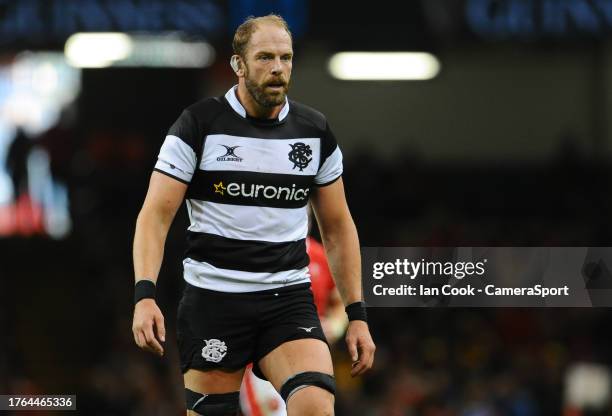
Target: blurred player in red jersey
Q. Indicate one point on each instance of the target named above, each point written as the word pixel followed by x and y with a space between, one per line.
pixel 258 397
pixel 327 299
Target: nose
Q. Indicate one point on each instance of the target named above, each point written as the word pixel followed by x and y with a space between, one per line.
pixel 277 68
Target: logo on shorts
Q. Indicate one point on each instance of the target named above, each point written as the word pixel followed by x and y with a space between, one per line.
pixel 309 330
pixel 214 350
pixel 229 155
pixel 300 155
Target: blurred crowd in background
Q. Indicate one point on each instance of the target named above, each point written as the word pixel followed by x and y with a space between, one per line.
pixel 507 146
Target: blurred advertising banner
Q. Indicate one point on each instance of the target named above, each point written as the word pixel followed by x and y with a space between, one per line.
pixel 37 22
pixel 487 276
pixel 408 23
pixel 532 19
pixel 44 21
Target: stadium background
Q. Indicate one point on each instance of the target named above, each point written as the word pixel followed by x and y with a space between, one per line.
pixel 508 145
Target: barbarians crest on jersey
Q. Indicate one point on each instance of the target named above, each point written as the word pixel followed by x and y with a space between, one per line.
pixel 300 155
pixel 230 155
pixel 214 350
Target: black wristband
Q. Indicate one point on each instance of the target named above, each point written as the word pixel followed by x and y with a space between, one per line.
pixel 357 312
pixel 144 289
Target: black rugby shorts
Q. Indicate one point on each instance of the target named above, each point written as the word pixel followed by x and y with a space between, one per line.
pixel 219 330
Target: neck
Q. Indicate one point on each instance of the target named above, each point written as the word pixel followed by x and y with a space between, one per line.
pixel 252 107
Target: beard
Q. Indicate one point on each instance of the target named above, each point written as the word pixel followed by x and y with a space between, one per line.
pixel 264 97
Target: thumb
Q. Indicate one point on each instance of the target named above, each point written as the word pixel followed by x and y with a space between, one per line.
pixel 161 329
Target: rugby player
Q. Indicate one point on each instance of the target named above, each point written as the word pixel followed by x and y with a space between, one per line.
pixel 247 164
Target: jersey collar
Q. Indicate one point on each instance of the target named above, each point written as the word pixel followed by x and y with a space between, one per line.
pixel 232 99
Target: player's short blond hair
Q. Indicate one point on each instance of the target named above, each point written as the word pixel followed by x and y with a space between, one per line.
pixel 249 26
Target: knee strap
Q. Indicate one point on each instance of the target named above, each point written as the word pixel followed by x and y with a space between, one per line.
pixel 225 404
pixel 305 379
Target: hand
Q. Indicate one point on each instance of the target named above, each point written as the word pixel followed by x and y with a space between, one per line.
pixel 360 346
pixel 147 315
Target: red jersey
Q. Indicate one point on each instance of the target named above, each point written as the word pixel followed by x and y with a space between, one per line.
pixel 320 276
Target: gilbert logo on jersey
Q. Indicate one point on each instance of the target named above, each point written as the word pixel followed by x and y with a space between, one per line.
pixel 230 155
pixel 258 191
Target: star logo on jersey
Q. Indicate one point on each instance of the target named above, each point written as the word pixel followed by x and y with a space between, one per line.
pixel 219 188
pixel 230 154
pixel 300 155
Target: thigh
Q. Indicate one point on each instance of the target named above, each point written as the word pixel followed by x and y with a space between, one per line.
pixel 213 381
pixel 215 331
pixel 294 357
pixel 290 316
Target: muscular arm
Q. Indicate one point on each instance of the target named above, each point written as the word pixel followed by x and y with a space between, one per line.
pixel 161 203
pixel 340 239
pixel 342 248
pixel 163 198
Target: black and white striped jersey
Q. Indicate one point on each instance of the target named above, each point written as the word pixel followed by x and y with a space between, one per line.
pixel 249 183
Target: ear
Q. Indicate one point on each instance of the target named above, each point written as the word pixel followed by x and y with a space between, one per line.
pixel 236 64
